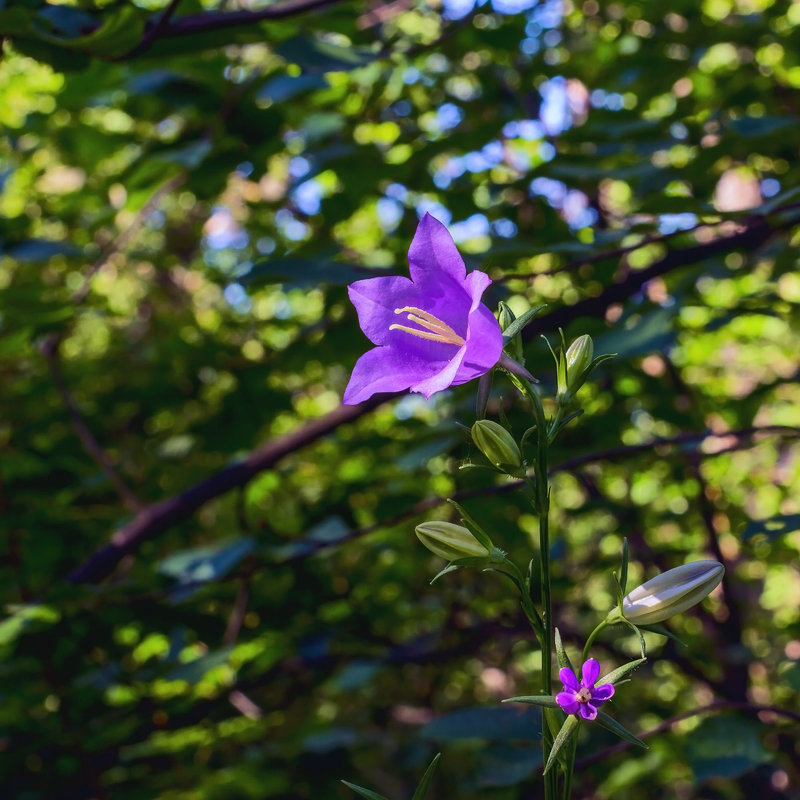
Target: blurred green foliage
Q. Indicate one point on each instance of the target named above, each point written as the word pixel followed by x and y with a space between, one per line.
pixel 182 204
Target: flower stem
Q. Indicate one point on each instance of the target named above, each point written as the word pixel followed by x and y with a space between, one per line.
pixel 592 636
pixel 543 507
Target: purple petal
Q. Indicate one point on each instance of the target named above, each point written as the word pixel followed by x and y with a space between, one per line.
pixel 433 251
pixel 384 369
pixel 602 693
pixel 568 679
pixel 568 703
pixel 442 379
pixel 376 299
pixel 484 336
pixel 591 672
pixel 588 711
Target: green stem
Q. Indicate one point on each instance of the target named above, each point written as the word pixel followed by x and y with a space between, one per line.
pixel 543 507
pixel 592 636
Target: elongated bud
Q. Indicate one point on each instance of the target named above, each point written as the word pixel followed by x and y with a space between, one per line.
pixel 670 593
pixel 579 355
pixel 574 367
pixel 496 443
pixel 450 541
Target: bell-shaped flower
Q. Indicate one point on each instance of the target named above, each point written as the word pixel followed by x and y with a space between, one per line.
pixel 431 331
pixel 583 698
pixel 670 593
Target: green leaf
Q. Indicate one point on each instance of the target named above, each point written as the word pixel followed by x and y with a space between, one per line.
pixel 544 700
pixel 208 563
pixel 479 533
pixel 773 527
pixel 610 724
pixel 726 747
pixel 662 631
pixel 518 325
pixel 560 742
pixel 317 56
pixel 486 722
pixel 561 653
pixel 620 672
pixel 303 272
pixel 422 788
pixel 364 792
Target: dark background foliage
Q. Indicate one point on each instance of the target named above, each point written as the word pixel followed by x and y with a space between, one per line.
pixel 211 586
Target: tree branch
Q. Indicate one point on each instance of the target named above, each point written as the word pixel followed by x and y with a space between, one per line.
pixel 90 444
pixel 158 517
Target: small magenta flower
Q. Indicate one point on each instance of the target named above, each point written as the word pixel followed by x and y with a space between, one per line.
pixel 431 331
pixel 583 698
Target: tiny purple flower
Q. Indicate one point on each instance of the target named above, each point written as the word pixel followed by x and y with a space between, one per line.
pixel 583 698
pixel 431 331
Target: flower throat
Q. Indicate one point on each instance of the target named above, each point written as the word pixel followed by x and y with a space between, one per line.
pixel 434 329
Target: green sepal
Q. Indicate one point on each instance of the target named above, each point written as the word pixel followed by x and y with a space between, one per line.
pixel 482 395
pixel 642 643
pixel 517 326
pixel 561 653
pixel 610 724
pixel 662 631
pixel 449 568
pixel 564 735
pixel 478 532
pixel 620 672
pixel 364 792
pixel 422 788
pixel 525 436
pixel 543 700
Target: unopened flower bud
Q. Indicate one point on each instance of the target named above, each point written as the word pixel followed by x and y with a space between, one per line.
pixel 573 367
pixel 579 355
pixel 670 593
pixel 496 443
pixel 450 541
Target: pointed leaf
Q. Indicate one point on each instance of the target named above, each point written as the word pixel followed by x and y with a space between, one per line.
pixel 561 653
pixel 564 735
pixel 364 792
pixel 520 322
pixel 422 788
pixel 479 533
pixel 449 568
pixel 662 631
pixel 544 700
pixel 619 673
pixel 610 724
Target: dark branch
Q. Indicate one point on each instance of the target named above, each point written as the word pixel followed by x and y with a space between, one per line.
pixel 161 516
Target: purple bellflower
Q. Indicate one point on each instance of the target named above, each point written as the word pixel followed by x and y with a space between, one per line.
pixel 431 331
pixel 583 698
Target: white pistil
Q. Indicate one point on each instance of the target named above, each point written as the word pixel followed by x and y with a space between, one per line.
pixel 434 329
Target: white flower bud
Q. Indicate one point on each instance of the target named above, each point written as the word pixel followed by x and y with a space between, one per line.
pixel 671 592
pixel 450 541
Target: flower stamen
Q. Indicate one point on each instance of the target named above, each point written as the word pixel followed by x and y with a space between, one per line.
pixel 434 329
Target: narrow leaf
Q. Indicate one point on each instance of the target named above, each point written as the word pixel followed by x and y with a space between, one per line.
pixel 564 735
pixel 610 724
pixel 561 653
pixel 662 631
pixel 544 700
pixel 519 323
pixel 480 533
pixel 364 792
pixel 449 568
pixel 620 672
pixel 422 789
